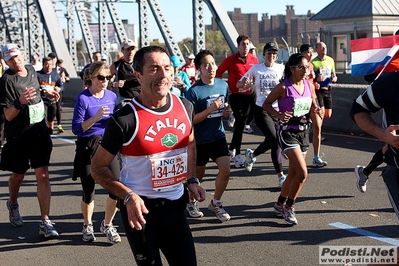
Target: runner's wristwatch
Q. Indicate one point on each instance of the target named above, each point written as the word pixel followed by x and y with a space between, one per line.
pixel 193 180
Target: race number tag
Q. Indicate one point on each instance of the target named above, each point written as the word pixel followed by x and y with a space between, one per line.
pixel 302 106
pixel 209 102
pixel 168 172
pixel 36 112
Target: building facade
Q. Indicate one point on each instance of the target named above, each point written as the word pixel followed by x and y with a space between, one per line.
pixel 294 29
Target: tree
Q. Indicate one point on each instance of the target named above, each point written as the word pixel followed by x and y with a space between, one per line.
pixel 216 43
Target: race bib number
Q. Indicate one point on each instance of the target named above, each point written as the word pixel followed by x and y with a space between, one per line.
pixel 218 112
pixel 36 113
pixel 302 106
pixel 325 71
pixel 168 172
pixel 266 86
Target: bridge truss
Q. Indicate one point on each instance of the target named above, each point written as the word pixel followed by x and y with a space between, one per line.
pixel 34 25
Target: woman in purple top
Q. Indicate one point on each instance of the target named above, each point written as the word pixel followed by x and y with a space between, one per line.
pixel 93 108
pixel 296 99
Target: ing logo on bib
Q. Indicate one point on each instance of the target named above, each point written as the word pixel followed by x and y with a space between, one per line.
pixel 169 140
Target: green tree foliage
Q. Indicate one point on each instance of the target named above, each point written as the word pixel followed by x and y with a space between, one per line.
pixel 156 42
pixel 79 45
pixel 216 42
pixel 186 46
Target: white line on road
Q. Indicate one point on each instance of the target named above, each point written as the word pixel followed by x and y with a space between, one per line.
pixel 366 233
pixel 63 139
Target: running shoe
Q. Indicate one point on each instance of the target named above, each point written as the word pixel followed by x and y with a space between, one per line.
pixel 47 229
pixel 319 162
pixel 238 162
pixel 111 233
pixel 219 211
pixel 289 215
pixel 278 209
pixel 249 160
pixel 193 210
pixel 248 129
pixel 60 129
pixel 232 154
pixel 88 233
pixel 231 120
pixel 281 180
pixel 362 179
pixel 15 217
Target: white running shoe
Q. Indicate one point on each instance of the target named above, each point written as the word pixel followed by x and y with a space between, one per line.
pixel 281 180
pixel 231 120
pixel 88 233
pixel 362 179
pixel 249 160
pixel 232 155
pixel 111 233
pixel 289 215
pixel 319 162
pixel 238 162
pixel 219 211
pixel 193 210
pixel 248 129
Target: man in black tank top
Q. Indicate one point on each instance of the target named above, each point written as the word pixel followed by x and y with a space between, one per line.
pixel 123 72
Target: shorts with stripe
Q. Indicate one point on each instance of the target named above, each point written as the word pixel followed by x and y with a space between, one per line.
pixel 291 139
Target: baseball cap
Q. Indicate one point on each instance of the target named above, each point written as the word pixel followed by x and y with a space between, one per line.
pixel 104 57
pixel 175 61
pixel 251 46
pixel 270 46
pixel 128 43
pixel 9 50
pixel 190 56
pixel 305 48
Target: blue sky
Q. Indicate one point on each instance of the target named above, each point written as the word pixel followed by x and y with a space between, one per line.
pixel 178 13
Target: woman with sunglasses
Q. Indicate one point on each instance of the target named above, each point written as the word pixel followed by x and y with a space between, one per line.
pixel 295 97
pixel 266 76
pixel 93 108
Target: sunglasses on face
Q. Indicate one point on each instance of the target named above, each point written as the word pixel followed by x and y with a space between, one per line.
pixel 101 77
pixel 301 67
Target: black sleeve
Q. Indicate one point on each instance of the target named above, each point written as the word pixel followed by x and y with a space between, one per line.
pixel 189 107
pixel 382 93
pixel 65 71
pixel 119 129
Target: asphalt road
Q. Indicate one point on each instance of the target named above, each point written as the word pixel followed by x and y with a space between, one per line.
pixel 328 203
